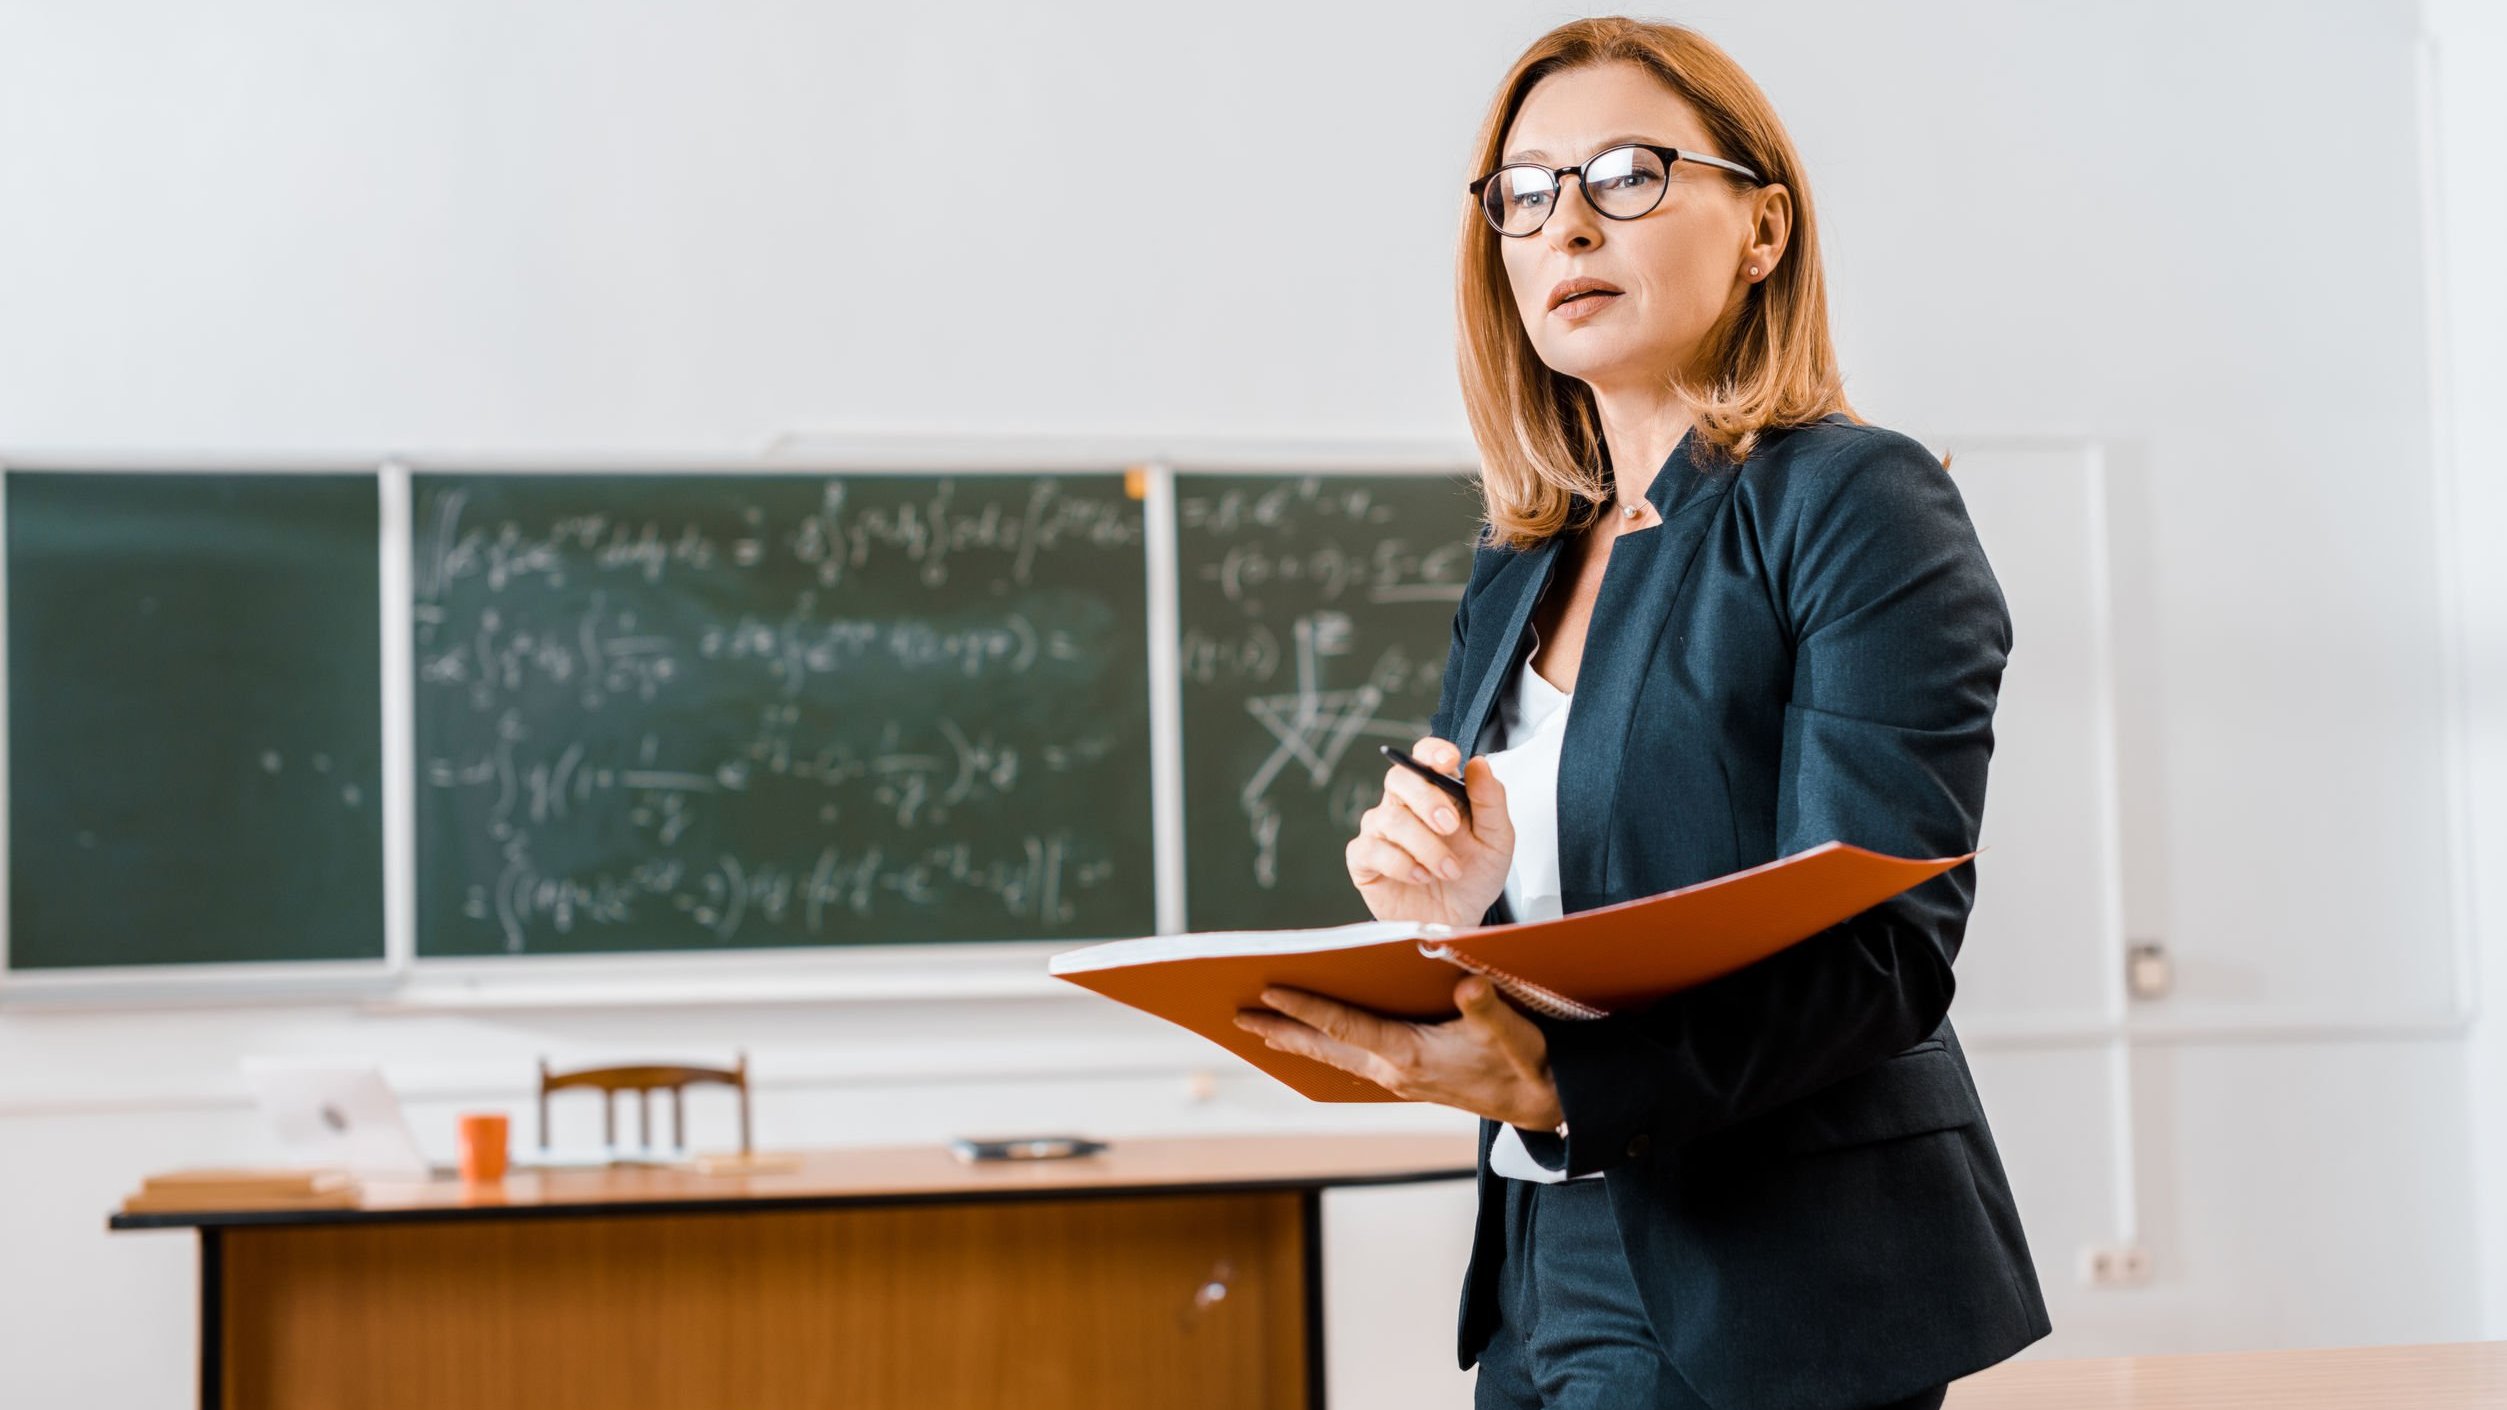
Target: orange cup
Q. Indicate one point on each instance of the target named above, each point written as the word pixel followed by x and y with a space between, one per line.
pixel 483 1147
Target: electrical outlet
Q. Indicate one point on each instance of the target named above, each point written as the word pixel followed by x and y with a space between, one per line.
pixel 2115 1266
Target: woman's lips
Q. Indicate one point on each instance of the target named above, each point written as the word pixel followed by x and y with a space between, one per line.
pixel 1583 306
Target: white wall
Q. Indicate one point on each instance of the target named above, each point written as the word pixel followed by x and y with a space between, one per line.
pixel 2190 233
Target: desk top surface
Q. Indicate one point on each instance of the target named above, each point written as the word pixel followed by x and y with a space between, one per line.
pixel 2440 1377
pixel 888 1175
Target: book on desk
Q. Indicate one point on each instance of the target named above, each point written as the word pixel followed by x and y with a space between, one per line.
pixel 243 1189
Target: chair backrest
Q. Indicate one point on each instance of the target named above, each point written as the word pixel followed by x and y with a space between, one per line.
pixel 644 1080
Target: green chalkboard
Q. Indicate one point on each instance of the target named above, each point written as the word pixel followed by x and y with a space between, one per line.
pixel 1314 614
pixel 702 711
pixel 195 719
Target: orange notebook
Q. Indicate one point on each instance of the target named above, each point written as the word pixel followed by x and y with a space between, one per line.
pixel 1584 965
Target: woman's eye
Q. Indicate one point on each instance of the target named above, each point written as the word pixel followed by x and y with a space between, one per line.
pixel 1532 200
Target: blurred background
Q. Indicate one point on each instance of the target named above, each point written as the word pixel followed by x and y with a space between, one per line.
pixel 2230 267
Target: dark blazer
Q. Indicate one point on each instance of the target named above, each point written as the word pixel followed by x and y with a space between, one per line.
pixel 1807 647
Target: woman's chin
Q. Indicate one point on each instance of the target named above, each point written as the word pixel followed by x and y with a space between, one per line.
pixel 1592 361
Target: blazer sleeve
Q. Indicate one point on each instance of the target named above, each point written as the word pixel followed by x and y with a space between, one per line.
pixel 1900 634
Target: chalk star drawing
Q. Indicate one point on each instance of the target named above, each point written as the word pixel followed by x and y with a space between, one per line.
pixel 1314 728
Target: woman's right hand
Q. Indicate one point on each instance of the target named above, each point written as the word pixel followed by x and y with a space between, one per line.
pixel 1414 858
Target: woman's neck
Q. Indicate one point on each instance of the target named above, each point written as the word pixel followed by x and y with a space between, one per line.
pixel 1640 431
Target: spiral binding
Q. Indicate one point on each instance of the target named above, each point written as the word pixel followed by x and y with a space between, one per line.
pixel 1523 991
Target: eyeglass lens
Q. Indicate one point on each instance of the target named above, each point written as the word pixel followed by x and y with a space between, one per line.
pixel 1623 183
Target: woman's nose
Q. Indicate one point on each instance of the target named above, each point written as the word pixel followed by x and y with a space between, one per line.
pixel 1573 225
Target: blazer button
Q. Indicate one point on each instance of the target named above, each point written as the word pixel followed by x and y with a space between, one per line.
pixel 1638 1145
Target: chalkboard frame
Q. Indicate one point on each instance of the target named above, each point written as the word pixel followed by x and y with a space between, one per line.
pixel 403 981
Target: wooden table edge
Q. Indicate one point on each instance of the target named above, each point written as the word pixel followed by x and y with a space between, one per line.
pixel 757 1203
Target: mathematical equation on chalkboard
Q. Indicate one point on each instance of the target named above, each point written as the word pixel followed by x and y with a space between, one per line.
pixel 1315 613
pixel 749 710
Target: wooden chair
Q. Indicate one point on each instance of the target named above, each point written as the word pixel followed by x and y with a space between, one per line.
pixel 644 1081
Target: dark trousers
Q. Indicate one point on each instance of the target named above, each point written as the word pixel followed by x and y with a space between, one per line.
pixel 1571 1334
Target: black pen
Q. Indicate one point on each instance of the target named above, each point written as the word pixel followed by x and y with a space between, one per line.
pixel 1452 785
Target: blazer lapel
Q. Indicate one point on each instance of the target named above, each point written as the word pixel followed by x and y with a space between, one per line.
pixel 1639 588
pixel 1511 593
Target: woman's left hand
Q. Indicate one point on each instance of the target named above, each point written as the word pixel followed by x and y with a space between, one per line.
pixel 1490 1061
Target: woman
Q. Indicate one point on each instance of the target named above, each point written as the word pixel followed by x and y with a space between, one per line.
pixel 1715 619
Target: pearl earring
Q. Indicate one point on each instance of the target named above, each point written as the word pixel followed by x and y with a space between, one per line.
pixel 1754 271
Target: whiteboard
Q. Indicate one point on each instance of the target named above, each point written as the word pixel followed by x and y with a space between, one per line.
pixel 2045 943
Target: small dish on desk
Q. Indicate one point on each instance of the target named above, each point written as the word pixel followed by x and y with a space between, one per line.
pixel 972 1151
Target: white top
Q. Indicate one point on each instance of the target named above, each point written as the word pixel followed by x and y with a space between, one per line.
pixel 1531 721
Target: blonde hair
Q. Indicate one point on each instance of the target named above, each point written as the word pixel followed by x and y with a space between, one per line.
pixel 1541 448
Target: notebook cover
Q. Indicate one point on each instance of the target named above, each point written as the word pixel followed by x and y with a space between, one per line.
pixel 1616 957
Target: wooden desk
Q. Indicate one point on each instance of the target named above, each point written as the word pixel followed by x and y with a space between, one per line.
pixel 2460 1374
pixel 1163 1273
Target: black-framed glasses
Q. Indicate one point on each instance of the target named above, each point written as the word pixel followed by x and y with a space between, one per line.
pixel 1621 183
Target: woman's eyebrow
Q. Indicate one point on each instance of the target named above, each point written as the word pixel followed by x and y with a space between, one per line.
pixel 1535 154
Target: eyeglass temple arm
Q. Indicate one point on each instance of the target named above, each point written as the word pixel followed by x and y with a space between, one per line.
pixel 1704 160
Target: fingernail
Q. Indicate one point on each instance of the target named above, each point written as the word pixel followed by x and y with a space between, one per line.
pixel 1445 820
pixel 1451 868
pixel 1419 874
